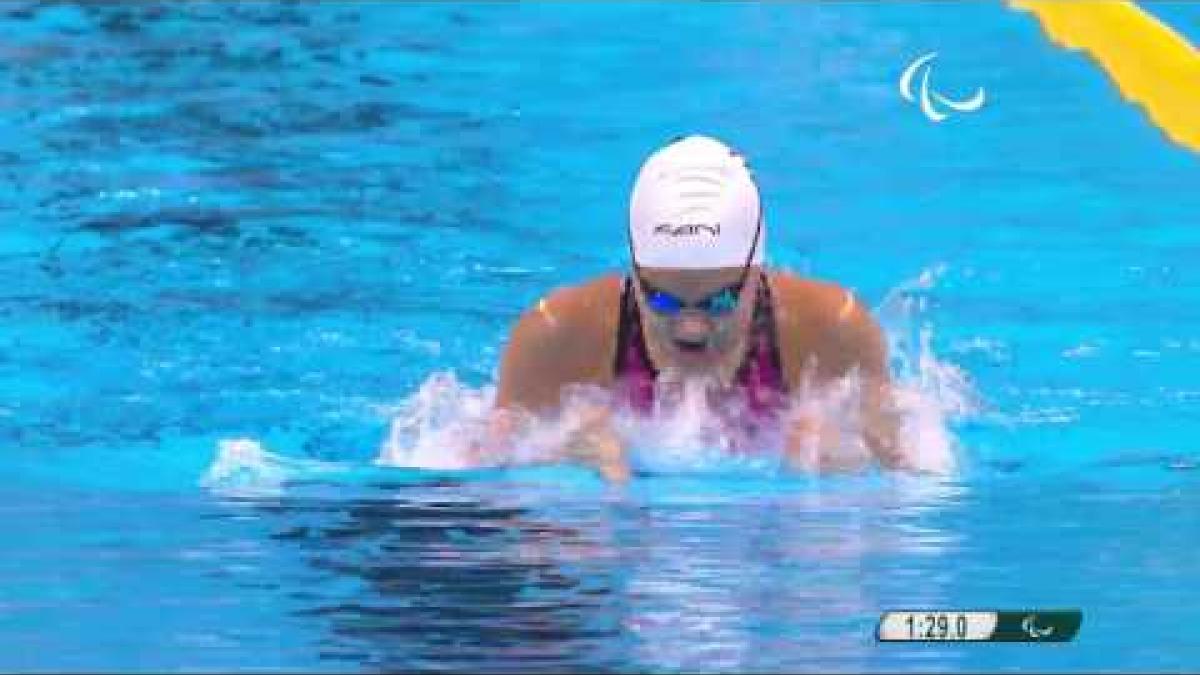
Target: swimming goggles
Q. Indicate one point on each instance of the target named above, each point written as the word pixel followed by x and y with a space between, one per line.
pixel 719 303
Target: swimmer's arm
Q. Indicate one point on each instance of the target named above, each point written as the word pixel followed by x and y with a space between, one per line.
pixel 855 345
pixel 880 418
pixel 881 428
pixel 566 338
pixel 592 441
pixel 542 357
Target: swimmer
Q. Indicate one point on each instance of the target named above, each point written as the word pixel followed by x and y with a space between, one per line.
pixel 697 306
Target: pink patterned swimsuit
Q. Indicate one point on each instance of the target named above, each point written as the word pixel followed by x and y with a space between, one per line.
pixel 759 381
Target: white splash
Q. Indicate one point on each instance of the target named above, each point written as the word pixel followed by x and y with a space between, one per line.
pixel 685 434
pixel 243 467
pixel 930 393
pixel 443 425
pixel 437 426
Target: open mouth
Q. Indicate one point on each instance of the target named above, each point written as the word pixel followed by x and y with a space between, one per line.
pixel 691 347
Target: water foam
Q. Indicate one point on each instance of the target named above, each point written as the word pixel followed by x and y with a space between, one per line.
pixel 443 425
pixel 244 468
pixel 931 394
pixel 438 426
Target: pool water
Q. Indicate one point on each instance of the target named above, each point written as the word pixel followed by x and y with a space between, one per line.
pixel 260 262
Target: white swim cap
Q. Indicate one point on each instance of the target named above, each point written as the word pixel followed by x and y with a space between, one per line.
pixel 695 206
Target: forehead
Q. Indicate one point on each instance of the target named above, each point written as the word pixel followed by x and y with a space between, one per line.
pixel 690 283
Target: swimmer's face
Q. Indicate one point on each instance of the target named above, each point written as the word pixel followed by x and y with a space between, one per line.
pixel 696 318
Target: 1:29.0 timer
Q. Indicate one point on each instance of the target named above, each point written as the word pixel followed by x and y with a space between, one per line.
pixel 937 626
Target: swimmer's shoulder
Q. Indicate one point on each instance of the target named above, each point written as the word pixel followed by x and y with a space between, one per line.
pixel 566 337
pixel 812 303
pixel 585 311
pixel 822 321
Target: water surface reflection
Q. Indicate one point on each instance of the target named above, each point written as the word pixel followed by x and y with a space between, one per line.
pixel 494 577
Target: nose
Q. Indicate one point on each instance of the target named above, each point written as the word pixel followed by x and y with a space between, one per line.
pixel 692 329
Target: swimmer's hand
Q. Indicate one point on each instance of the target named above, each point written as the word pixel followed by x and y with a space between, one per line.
pixel 592 442
pixel 814 445
pixel 605 453
pixel 595 443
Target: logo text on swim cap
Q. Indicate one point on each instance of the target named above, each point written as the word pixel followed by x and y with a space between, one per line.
pixel 687 229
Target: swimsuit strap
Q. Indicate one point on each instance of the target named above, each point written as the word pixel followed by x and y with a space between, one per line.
pixel 631 352
pixel 761 372
pixel 632 367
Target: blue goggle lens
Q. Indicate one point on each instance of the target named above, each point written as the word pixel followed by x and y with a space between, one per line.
pixel 664 303
pixel 721 302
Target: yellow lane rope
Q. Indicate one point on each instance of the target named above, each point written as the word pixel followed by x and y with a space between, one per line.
pixel 1150 63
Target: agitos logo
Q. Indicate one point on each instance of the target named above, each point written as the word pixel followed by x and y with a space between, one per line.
pixel 687 229
pixel 932 103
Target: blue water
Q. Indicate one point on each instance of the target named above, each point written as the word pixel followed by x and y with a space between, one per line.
pixel 284 224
